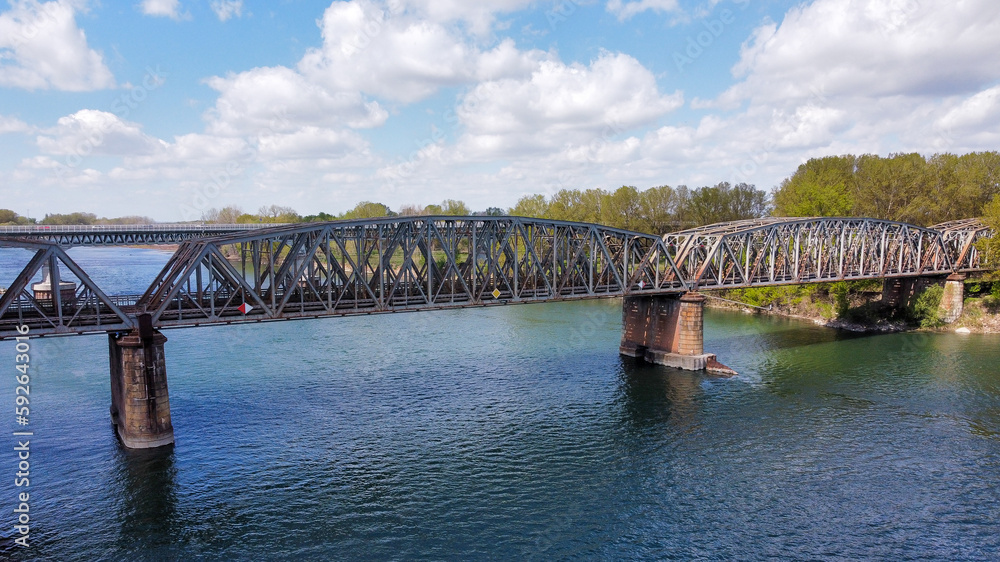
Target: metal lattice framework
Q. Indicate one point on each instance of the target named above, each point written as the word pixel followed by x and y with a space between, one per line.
pixel 779 251
pixel 123 235
pixel 424 263
pixel 83 308
pixel 961 238
pixel 405 263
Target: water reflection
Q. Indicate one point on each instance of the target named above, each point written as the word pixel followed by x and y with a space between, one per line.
pixel 654 395
pixel 145 480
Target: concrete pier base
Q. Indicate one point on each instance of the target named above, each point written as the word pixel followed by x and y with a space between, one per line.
pixel 668 330
pixel 140 405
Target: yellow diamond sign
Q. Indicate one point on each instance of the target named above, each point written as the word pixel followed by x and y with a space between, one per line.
pixel 496 293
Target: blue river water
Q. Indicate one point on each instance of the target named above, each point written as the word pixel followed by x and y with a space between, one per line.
pixel 512 433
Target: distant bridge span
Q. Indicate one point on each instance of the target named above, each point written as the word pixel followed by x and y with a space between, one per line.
pixel 123 234
pixel 423 263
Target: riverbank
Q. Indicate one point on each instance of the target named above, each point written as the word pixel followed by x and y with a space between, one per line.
pixel 854 310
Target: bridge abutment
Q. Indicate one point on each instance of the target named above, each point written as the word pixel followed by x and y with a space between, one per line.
pixel 668 330
pixel 140 404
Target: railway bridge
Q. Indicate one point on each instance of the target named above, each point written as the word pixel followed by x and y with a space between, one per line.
pixel 230 274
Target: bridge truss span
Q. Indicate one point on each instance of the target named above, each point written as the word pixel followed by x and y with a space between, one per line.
pixel 962 239
pixel 779 251
pixel 393 264
pixel 403 263
pixel 122 234
pixel 56 304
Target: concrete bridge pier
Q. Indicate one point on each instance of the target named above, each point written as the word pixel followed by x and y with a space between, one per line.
pixel 668 330
pixel 140 405
pixel 953 299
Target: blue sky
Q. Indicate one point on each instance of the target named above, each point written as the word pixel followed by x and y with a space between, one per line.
pixel 167 108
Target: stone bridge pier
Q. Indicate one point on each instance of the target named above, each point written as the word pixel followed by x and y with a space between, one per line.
pixel 668 330
pixel 140 404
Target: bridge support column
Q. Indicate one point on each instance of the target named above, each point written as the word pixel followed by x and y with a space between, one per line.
pixel 668 330
pixel 953 299
pixel 140 405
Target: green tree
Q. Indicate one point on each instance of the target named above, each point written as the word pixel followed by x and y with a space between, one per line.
pixel 821 187
pixel 658 210
pixel 71 218
pixel 990 247
pixel 531 206
pixel 319 217
pixel 723 203
pixel 278 214
pixel 957 187
pixel 225 215
pixel 455 208
pixel 368 210
pixel 892 188
pixel 623 209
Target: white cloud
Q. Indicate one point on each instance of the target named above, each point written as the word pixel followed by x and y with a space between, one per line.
pixel 310 142
pixel 560 104
pixel 89 131
pixel 163 8
pixel 623 9
pixel 391 56
pixel 193 153
pixel 41 47
pixel 280 99
pixel 848 76
pixel 872 48
pixel 480 16
pixel 981 111
pixel 226 9
pixel 13 125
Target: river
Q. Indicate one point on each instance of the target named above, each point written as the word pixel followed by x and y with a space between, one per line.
pixel 513 432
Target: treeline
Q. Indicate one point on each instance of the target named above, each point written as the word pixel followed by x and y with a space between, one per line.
pixel 233 214
pixel 656 210
pixel 902 187
pixel 8 217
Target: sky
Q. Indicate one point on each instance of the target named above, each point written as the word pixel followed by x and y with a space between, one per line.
pixel 167 108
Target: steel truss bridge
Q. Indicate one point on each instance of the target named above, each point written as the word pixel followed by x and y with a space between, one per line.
pixel 395 264
pixel 124 234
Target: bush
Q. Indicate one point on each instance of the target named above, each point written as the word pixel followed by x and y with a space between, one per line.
pixel 926 309
pixel 841 292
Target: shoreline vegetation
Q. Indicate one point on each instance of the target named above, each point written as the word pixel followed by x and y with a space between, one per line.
pixel 857 306
pixel 912 188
